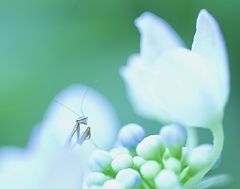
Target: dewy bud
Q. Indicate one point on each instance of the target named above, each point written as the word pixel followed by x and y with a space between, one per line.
pixel 174 138
pixel 100 161
pixel 130 178
pixel 110 184
pixel 96 178
pixel 130 135
pixel 199 157
pixel 151 148
pixel 150 169
pixel 173 135
pixel 138 162
pixel 173 164
pixel 166 179
pixel 122 161
pixel 118 150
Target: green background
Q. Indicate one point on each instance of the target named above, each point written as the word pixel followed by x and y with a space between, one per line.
pixel 47 45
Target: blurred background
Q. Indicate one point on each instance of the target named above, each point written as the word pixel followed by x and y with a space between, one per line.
pixel 48 45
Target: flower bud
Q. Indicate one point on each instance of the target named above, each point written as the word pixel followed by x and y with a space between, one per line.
pixel 151 148
pixel 96 178
pixel 130 178
pixel 166 179
pixel 173 164
pixel 100 161
pixel 118 150
pixel 150 169
pixel 130 135
pixel 122 161
pixel 138 161
pixel 174 138
pixel 199 157
pixel 110 184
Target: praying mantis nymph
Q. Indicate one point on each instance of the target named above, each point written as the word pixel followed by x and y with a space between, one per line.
pixel 86 135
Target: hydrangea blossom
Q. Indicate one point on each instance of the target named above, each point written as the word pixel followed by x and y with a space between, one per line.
pixel 156 162
pixel 173 84
pixel 185 88
pixel 167 81
pixel 45 162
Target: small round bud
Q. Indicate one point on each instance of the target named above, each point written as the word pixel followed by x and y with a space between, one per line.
pixel 130 178
pixel 138 162
pixel 110 184
pixel 174 138
pixel 200 157
pixel 122 161
pixel 150 169
pixel 173 164
pixel 173 135
pixel 119 150
pixel 166 179
pixel 151 148
pixel 96 178
pixel 100 161
pixel 130 135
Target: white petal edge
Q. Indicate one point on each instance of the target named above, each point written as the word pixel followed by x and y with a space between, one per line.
pixel 133 75
pixel 186 91
pixel 59 121
pixel 209 43
pixel 157 36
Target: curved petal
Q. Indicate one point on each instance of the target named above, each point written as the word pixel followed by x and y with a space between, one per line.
pixel 209 43
pixel 59 121
pixel 36 169
pixel 45 163
pixel 157 36
pixel 133 75
pixel 186 90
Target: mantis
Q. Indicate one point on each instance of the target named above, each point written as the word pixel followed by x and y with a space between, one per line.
pixel 86 135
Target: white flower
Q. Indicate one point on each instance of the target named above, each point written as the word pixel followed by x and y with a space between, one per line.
pixel 45 163
pixel 168 82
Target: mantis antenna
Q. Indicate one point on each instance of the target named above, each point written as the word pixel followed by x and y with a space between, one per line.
pixel 86 135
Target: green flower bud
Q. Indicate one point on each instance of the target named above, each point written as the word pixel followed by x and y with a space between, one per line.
pixel 100 161
pixel 130 135
pixel 174 138
pixel 166 179
pixel 110 184
pixel 138 162
pixel 122 161
pixel 96 178
pixel 130 178
pixel 150 169
pixel 119 150
pixel 199 157
pixel 151 148
pixel 173 164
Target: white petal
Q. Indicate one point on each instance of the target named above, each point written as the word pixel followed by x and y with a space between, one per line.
pixel 157 36
pixel 133 75
pixel 36 169
pixel 209 43
pixel 59 121
pixel 45 163
pixel 182 86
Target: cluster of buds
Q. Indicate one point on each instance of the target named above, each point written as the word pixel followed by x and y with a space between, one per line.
pixel 156 161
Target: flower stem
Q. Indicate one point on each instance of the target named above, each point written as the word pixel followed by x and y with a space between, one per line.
pixel 218 138
pixel 192 138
